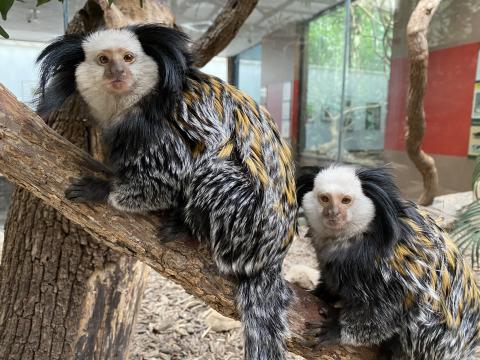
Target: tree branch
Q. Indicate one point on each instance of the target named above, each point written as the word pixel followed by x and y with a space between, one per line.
pixel 224 28
pixel 418 58
pixel 35 157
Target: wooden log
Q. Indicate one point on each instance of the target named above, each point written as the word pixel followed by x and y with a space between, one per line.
pixel 36 158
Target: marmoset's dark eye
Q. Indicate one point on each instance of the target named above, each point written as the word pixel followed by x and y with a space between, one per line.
pixel 128 58
pixel 346 200
pixel 102 59
pixel 324 198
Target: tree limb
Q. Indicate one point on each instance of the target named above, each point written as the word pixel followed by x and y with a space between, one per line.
pixel 417 45
pixel 224 28
pixel 35 157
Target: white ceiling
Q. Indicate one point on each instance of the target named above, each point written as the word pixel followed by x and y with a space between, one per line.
pixel 27 22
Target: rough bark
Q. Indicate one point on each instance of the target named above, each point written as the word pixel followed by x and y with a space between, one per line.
pixel 418 59
pixel 63 294
pixel 38 159
pixel 224 28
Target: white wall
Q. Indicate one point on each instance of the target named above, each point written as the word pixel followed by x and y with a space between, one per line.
pixel 217 67
pixel 18 71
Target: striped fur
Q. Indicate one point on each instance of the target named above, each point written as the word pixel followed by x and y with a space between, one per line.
pixel 402 282
pixel 200 148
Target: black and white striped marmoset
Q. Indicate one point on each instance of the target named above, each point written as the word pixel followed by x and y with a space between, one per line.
pixel 398 279
pixel 180 140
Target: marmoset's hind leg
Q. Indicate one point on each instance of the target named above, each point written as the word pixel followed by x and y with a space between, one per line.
pixel 232 213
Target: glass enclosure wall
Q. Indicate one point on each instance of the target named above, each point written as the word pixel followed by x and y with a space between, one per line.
pixel 367 125
pixel 22 75
pixel 350 130
pixel 323 74
pixel 269 73
pixel 368 72
pixel 452 130
pixel 335 81
pixel 248 68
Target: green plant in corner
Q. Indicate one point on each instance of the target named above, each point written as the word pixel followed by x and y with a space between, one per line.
pixel 466 229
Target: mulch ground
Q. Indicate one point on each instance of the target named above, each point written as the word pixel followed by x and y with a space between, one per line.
pixel 172 324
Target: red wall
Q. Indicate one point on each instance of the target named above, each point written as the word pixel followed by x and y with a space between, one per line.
pixel 448 101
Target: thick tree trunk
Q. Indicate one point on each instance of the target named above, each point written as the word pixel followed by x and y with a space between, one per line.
pixel 38 159
pixel 418 58
pixel 63 294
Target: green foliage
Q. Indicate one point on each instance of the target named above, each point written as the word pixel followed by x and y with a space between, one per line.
pixel 3 33
pixel 476 177
pixel 466 230
pixel 325 38
pixel 370 37
pixel 5 5
pixel 41 2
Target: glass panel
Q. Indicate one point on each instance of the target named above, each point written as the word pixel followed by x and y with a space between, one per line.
pixel 368 73
pixel 453 124
pixel 324 48
pixel 249 67
pixel 22 75
pixel 217 67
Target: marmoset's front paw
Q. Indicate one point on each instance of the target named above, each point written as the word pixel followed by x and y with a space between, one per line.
pixel 88 189
pixel 327 332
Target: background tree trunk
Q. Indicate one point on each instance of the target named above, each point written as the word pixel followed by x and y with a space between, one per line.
pixel 417 45
pixel 63 294
pixel 223 30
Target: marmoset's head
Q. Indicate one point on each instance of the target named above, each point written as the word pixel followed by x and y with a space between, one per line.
pixel 337 204
pixel 129 62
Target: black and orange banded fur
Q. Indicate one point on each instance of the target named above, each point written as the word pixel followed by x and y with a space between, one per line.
pixel 186 142
pixel 399 279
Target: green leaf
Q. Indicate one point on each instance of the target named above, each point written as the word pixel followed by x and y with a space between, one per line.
pixel 476 177
pixel 466 231
pixel 110 2
pixel 5 5
pixel 3 33
pixel 141 3
pixel 41 2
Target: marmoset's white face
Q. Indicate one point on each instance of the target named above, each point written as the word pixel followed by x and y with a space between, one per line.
pixel 116 72
pixel 337 205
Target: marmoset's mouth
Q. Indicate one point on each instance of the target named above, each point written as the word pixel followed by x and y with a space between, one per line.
pixel 118 85
pixel 333 223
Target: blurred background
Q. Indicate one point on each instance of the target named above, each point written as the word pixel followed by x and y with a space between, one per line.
pixel 334 75
pixel 335 82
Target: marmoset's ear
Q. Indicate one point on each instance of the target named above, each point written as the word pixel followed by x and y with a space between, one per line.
pixel 58 62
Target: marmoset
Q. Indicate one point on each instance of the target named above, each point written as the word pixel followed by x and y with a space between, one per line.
pixel 399 280
pixel 180 140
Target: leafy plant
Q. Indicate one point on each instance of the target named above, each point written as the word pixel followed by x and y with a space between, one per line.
pixel 466 230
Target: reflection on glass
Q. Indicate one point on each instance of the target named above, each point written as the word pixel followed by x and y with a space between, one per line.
pixel 249 67
pixel 323 75
pixel 452 126
pixel 368 74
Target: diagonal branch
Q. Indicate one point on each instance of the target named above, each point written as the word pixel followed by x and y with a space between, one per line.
pixel 224 28
pixel 35 157
pixel 418 58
